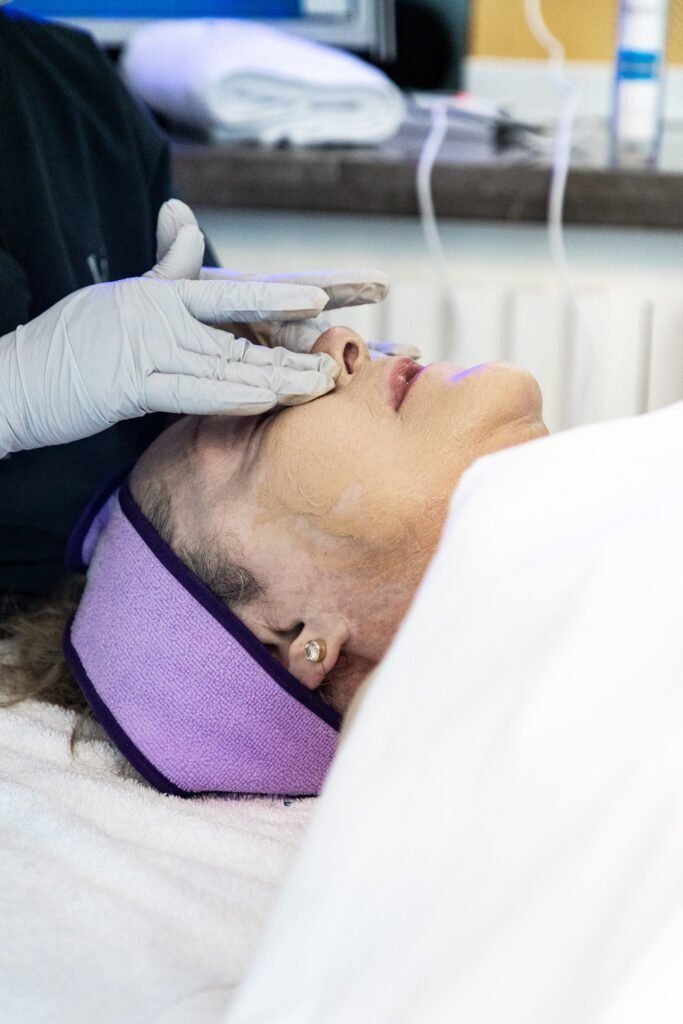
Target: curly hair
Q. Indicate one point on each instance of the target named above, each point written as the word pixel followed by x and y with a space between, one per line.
pixel 33 666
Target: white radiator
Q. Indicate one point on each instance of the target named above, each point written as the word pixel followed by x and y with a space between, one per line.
pixel 619 354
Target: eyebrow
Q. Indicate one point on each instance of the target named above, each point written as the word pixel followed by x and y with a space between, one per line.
pixel 193 445
pixel 257 433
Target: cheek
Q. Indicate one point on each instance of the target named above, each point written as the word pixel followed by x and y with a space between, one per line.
pixel 313 463
pixel 303 475
pixel 345 468
pixel 452 424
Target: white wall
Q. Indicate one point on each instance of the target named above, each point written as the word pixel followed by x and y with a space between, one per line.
pixel 524 87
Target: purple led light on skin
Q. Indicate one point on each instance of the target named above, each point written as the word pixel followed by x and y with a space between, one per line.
pixel 466 373
pixel 187 693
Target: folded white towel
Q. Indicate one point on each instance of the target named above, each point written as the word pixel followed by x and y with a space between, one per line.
pixel 118 903
pixel 246 80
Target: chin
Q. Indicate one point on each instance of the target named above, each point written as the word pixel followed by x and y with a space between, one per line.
pixel 489 375
pixel 498 391
pixel 524 391
pixel 509 392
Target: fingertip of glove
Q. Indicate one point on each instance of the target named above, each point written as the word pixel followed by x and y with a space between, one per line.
pixel 330 368
pixel 381 282
pixel 190 231
pixel 325 385
pixel 315 298
pixel 179 211
pixel 308 396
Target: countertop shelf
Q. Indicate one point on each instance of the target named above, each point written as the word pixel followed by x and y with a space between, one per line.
pixel 474 178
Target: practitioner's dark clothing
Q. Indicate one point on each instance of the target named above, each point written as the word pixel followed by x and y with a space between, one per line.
pixel 83 172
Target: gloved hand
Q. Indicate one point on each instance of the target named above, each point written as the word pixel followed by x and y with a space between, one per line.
pixel 114 351
pixel 342 287
pixel 301 336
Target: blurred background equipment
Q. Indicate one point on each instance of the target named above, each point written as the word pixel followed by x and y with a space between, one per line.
pixel 496 295
pixel 362 25
pixel 639 81
pixel 587 29
pixel 421 44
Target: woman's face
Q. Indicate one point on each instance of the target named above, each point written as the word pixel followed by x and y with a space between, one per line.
pixel 337 505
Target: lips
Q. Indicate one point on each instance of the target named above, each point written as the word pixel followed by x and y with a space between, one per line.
pixel 401 375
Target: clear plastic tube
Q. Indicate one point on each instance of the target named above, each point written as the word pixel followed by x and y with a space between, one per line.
pixel 562 149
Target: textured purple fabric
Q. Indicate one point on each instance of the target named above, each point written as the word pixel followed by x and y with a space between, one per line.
pixel 181 683
pixel 99 522
pixel 92 521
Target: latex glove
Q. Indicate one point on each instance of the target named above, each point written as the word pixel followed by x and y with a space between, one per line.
pixel 115 351
pixel 302 336
pixel 343 287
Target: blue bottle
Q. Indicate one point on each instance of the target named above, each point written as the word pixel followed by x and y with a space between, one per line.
pixel 637 108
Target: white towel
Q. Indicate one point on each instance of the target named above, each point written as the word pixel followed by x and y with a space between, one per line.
pixel 118 904
pixel 501 836
pixel 245 80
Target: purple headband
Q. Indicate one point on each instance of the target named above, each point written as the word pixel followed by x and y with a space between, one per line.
pixel 187 693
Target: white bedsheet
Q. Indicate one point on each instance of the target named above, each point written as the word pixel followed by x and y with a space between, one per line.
pixel 119 905
pixel 501 836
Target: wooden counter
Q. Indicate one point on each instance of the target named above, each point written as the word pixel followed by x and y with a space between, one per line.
pixel 473 178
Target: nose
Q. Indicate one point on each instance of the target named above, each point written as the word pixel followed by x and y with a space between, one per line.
pixel 347 348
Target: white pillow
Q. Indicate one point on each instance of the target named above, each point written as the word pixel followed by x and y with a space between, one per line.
pixel 501 836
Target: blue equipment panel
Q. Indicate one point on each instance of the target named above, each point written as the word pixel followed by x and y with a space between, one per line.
pixel 165 8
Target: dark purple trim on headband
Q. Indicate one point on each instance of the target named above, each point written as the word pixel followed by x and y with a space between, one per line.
pixel 126 746
pixel 222 614
pixel 117 735
pixel 73 558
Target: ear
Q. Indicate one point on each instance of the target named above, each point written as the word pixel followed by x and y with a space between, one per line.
pixel 334 630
